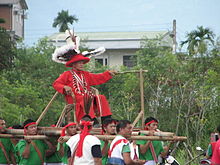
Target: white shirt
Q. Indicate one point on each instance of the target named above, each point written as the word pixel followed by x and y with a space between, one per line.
pixel 89 141
pixel 117 151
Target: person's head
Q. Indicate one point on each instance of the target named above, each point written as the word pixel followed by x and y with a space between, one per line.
pixel 109 126
pixel 86 121
pixel 151 123
pixel 77 62
pixel 218 129
pixel 30 127
pixel 2 125
pixel 17 126
pixel 71 128
pixel 124 128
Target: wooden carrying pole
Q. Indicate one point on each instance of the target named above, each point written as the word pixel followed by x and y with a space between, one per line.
pixel 46 108
pixel 142 96
pixel 102 137
pixel 53 131
pixel 137 118
pixel 66 109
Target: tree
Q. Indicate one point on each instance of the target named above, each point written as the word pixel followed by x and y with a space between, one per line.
pixel 7 50
pixel 63 19
pixel 199 40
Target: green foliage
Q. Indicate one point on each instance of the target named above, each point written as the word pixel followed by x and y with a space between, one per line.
pixel 63 19
pixel 181 91
pixel 7 50
pixel 199 40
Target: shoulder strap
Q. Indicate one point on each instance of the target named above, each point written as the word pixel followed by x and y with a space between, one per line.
pixel 115 144
pixel 73 155
pixel 5 153
pixel 38 152
pixel 153 152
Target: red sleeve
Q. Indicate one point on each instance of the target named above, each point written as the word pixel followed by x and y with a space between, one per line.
pixel 61 81
pixel 97 79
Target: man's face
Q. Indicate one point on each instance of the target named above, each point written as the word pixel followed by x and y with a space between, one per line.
pixel 79 65
pixel 71 130
pixel 31 130
pixel 152 127
pixel 110 129
pixel 127 131
pixel 2 125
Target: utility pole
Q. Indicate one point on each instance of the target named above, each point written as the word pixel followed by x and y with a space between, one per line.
pixel 174 37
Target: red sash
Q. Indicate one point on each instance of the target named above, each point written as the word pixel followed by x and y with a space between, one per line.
pixel 115 144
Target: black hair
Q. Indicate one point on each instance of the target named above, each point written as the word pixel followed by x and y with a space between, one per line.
pixel 17 126
pixel 218 129
pixel 27 122
pixel 122 124
pixel 68 55
pixel 106 122
pixel 147 120
pixel 86 118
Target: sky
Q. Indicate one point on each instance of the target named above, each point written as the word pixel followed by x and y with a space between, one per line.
pixel 122 15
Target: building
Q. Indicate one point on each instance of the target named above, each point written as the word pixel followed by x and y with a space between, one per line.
pixel 120 46
pixel 13 12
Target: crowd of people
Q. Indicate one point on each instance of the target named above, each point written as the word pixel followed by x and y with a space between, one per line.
pixel 83 148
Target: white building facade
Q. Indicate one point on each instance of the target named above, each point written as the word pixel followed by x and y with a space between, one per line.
pixel 120 46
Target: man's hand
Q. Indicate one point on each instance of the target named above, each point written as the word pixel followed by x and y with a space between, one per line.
pixel 151 133
pixel 68 90
pixel 140 162
pixel 112 72
pixel 61 140
pixel 28 141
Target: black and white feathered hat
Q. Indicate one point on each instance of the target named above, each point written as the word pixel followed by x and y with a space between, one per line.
pixel 65 53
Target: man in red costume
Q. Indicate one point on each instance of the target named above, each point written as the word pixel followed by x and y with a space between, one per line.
pixel 78 82
pixel 216 151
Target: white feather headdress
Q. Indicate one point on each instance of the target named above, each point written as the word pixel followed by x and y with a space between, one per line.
pixel 65 53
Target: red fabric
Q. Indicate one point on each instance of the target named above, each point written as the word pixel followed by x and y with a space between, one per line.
pixel 153 152
pixel 25 127
pixel 83 134
pixel 66 79
pixel 152 121
pixel 115 144
pixel 63 132
pixel 216 154
pixel 77 57
pixel 102 106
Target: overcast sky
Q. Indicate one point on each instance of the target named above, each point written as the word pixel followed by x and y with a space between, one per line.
pixel 122 15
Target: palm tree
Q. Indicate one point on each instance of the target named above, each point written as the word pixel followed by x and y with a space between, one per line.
pixel 199 40
pixel 63 19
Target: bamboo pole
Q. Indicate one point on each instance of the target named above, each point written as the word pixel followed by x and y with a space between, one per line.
pixel 137 118
pixel 68 106
pixel 101 137
pixel 32 137
pixel 56 131
pixel 46 108
pixel 156 138
pixel 142 95
pixel 160 133
pixel 132 71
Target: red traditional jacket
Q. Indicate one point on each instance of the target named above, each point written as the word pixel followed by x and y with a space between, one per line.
pixel 80 82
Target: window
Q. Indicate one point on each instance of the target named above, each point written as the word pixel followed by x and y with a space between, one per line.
pixel 102 61
pixel 129 61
